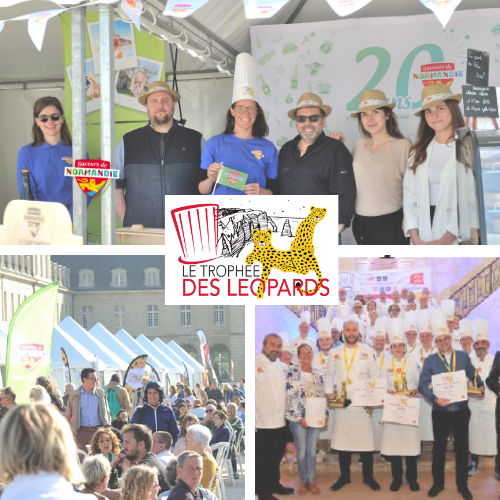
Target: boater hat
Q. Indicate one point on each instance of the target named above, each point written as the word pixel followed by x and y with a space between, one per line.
pixel 434 94
pixel 372 99
pixel 309 100
pixel 159 87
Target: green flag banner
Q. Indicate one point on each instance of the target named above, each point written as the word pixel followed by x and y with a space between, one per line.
pixel 29 342
pixel 232 178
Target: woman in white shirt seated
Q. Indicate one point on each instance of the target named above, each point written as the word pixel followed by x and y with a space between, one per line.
pixel 436 211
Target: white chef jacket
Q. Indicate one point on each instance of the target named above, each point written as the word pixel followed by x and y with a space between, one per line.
pixel 398 439
pixel 482 428
pixel 270 394
pixel 320 360
pixel 377 411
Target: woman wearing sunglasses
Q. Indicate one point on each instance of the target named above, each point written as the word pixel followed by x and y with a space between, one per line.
pixel 379 162
pixel 47 156
pixel 242 146
pixel 436 185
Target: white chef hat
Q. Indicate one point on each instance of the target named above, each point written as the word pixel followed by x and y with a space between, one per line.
pixel 438 323
pixel 465 329
pixel 423 320
pixel 331 312
pixel 380 327
pixel 323 326
pixel 344 311
pixel 305 317
pixel 448 308
pixel 245 78
pixel 338 324
pixel 480 327
pixel 410 321
pixel 287 348
pixel 395 329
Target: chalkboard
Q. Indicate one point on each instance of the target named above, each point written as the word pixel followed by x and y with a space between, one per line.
pixel 480 101
pixel 478 64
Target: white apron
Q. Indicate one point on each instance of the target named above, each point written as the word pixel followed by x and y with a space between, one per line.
pixel 352 426
pixel 482 429
pixel 377 412
pixel 397 439
pixel 425 410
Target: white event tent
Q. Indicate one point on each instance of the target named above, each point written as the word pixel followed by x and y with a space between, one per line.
pixel 177 368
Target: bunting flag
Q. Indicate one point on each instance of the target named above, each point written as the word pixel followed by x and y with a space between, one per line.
pixel 2 24
pixel 66 369
pixel 133 9
pixel 232 371
pixel 346 7
pixel 205 356
pixel 442 8
pixel 179 8
pixel 135 374
pixel 29 342
pixel 186 373
pixel 258 9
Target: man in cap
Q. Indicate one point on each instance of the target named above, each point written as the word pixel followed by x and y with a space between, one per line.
pixel 304 322
pixel 270 435
pixel 352 426
pixel 493 383
pixel 446 416
pixel 314 164
pixel 482 431
pixel 325 342
pixel 159 159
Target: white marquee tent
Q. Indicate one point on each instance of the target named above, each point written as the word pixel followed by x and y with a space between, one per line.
pixel 164 358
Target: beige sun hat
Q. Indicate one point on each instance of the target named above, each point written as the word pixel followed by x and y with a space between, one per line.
pixel 372 99
pixel 434 94
pixel 309 100
pixel 159 87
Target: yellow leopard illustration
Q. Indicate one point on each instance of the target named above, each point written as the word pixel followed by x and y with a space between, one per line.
pixel 305 230
pixel 299 261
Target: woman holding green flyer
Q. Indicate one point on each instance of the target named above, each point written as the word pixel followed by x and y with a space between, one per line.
pixel 240 160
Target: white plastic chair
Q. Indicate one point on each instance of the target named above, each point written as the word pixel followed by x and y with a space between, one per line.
pixel 220 493
pixel 222 450
pixel 82 455
pixel 239 462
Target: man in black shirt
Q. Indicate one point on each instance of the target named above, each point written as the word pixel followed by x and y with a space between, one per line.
pixel 314 164
pixel 137 444
pixel 189 472
pixel 214 392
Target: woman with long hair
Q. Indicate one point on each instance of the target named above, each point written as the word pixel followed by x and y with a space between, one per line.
pixel 180 412
pixel 243 145
pixel 105 442
pixel 379 162
pixel 188 393
pixel 140 483
pixel 172 395
pixel 436 210
pixel 47 156
pixel 50 386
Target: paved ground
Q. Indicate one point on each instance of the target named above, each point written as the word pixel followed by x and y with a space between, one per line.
pixel 236 492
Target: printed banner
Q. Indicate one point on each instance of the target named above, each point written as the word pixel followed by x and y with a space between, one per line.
pixel 66 368
pixel 257 9
pixel 442 8
pixel 133 9
pixel 135 374
pixel 346 7
pixel 178 8
pixel 374 282
pixel 338 60
pixel 29 342
pixel 232 178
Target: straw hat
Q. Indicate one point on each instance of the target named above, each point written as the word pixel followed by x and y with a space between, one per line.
pixel 434 94
pixel 159 87
pixel 309 100
pixel 372 99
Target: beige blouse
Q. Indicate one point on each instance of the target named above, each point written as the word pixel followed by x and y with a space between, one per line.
pixel 379 178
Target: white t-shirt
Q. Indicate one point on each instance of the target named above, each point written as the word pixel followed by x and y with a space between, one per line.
pixel 440 155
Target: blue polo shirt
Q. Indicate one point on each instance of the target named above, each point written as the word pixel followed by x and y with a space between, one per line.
pixel 257 157
pixel 46 165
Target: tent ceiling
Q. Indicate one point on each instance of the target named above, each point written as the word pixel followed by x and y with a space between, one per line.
pixel 219 19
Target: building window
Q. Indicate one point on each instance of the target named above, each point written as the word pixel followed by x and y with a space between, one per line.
pixel 86 279
pixel 119 317
pixel 151 277
pixel 87 317
pixel 118 278
pixel 185 315
pixel 190 350
pixel 221 360
pixel 152 316
pixel 218 315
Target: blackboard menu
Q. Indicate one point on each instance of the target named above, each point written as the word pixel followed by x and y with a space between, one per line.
pixel 480 101
pixel 478 63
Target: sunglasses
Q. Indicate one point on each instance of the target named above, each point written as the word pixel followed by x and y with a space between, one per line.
pixel 45 118
pixel 209 411
pixel 312 118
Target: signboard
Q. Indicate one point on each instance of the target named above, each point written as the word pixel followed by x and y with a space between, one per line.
pixel 478 64
pixel 480 102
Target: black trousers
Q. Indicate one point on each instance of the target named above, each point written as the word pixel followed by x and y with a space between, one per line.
pixel 269 450
pixel 497 458
pixel 345 464
pixel 442 423
pixel 380 230
pixel 397 469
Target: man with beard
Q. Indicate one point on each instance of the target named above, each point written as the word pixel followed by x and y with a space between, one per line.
pixel 314 164
pixel 352 425
pixel 325 341
pixel 159 159
pixel 270 435
pixel 137 445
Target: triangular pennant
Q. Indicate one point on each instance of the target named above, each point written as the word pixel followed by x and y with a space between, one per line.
pixel 443 10
pixel 179 8
pixel 37 23
pixel 258 9
pixel 346 7
pixel 133 9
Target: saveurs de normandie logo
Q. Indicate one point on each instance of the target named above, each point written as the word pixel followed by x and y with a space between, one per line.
pixel 231 248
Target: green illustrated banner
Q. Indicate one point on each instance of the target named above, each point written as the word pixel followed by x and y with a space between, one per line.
pixel 139 61
pixel 232 178
pixel 29 343
pixel 338 60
